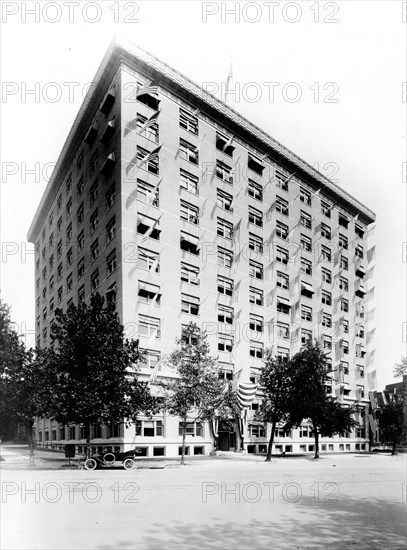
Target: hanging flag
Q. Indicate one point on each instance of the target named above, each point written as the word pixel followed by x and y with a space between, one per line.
pixel 151 89
pixel 153 193
pixel 370 335
pixel 245 395
pixel 150 122
pixel 317 192
pixel 229 142
pixel 151 228
pixel 196 112
pixel 150 156
pixel 373 424
pixel 370 230
pixel 370 357
pixel 371 254
pixel 154 372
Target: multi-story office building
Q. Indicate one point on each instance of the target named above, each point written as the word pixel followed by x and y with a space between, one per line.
pixel 174 206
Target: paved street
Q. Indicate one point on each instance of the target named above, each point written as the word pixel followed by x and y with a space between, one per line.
pixel 341 501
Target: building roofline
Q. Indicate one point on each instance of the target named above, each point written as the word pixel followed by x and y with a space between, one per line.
pixel 121 50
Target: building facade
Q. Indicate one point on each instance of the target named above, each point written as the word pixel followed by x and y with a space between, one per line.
pixel 174 206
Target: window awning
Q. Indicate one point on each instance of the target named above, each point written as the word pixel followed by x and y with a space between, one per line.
pixel 189 238
pixel 361 268
pixel 148 287
pixel 141 218
pixel 284 301
pixel 307 286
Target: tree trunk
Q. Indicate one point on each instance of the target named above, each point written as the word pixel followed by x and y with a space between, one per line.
pixel 394 449
pixel 316 435
pixel 184 430
pixel 88 449
pixel 270 446
pixel 30 440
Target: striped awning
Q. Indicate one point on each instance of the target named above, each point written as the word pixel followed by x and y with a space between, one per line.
pixel 246 394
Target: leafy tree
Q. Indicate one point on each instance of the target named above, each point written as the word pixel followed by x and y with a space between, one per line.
pixel 392 420
pixel 400 369
pixel 198 394
pixel 20 383
pixel 308 399
pixel 275 380
pixel 90 368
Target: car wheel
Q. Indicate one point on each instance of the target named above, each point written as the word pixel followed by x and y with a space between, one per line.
pixel 90 464
pixel 128 464
pixel 109 458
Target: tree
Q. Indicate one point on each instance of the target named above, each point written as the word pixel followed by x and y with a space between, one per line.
pixel 276 384
pixel 308 399
pixel 391 419
pixel 197 394
pixel 91 368
pixel 19 381
pixel 400 369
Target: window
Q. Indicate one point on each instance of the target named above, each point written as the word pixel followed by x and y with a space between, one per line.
pixel 59 226
pixel 224 144
pixel 69 257
pixel 148 227
pixel 305 219
pixel 189 213
pixel 188 121
pixel 256 349
pixel 189 274
pixel 225 342
pixel 69 282
pixel 326 298
pixel 307 289
pixel 282 206
pixel 44 271
pixel 326 275
pixel 343 242
pixel 282 180
pixel 149 326
pixel 225 314
pixel 81 294
pixel 69 208
pixel 193 429
pixel 326 209
pixel 150 428
pixel 255 243
pixel 80 187
pixel 283 280
pixel 147 193
pixel 110 197
pixel 343 220
pixel 255 269
pixel 59 249
pixel 94 280
pixel 345 326
pixel 360 331
pixel 359 230
pixel 326 255
pixel 59 294
pixel 282 230
pixel 94 221
pixel 59 203
pixel 80 214
pixel 224 172
pixel 225 257
pixel 306 266
pixel 255 216
pixel 306 243
pixel 79 160
pixel 359 251
pixel 68 184
pixel 326 320
pixel 283 330
pixel 94 250
pixel 111 230
pixel 306 313
pixel 150 358
pixel 343 283
pixel 148 293
pixel 189 243
pixel 189 304
pixel 188 151
pixel 257 430
pixel 306 336
pixel 148 159
pixel 255 164
pixel 256 323
pixel 281 255
pixel 344 305
pixel 93 193
pixel 111 294
pixel 256 296
pixel 343 263
pixel 148 260
pixel 255 190
pixel 59 272
pixel 111 263
pixel 224 200
pixel 225 286
pixel 225 229
pixel 305 196
pixel 325 231
pixel 189 182
pixel 51 283
pixel 345 347
pixel 147 96
pixel 51 239
pixel 150 130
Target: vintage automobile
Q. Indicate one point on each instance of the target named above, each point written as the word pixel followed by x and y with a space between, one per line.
pixel 126 459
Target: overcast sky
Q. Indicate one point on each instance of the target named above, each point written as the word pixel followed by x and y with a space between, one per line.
pixel 346 62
